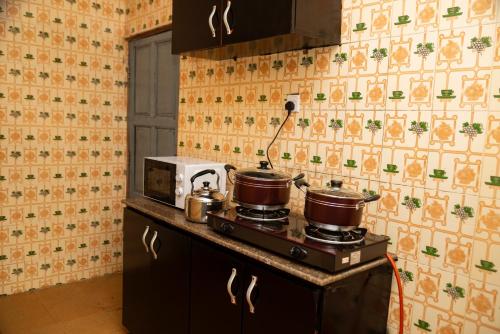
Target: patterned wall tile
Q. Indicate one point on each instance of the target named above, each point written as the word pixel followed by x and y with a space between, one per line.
pixel 405 108
pixel 144 15
pixel 62 141
pixel 430 149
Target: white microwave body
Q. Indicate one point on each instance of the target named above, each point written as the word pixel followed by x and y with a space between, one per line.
pixel 168 179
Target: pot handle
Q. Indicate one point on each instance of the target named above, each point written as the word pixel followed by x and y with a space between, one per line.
pixel 228 168
pixel 298 177
pixel 372 198
pixel 203 172
pixel 300 182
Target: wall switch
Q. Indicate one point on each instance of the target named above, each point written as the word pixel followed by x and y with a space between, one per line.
pixel 295 98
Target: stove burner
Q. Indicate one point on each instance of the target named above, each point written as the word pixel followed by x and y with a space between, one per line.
pixel 279 215
pixel 335 237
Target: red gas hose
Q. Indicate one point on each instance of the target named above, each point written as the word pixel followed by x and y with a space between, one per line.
pixel 400 291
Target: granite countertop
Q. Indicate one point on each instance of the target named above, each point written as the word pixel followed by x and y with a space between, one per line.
pixel 175 217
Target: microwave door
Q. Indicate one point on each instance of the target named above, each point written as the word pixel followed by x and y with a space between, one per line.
pixel 159 181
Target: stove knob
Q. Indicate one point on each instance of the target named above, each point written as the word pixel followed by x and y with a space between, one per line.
pixel 179 191
pixel 226 227
pixel 298 253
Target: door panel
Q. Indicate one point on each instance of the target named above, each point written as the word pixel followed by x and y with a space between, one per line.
pixel 169 307
pixel 252 20
pixel 165 141
pixel 153 103
pixel 143 136
pixel 166 76
pixel 142 80
pixel 190 25
pixel 281 305
pixel 211 309
pixel 136 270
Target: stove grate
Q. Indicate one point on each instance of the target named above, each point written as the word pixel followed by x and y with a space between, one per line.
pixel 350 237
pixel 279 215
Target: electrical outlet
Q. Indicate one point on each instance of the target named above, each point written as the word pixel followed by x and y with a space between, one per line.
pixel 295 98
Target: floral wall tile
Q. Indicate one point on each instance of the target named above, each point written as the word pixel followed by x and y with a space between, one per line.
pixel 62 141
pixel 406 114
pixel 425 74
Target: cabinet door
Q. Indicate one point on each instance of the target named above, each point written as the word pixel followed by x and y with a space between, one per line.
pixel 136 270
pixel 169 299
pixel 212 310
pixel 191 28
pixel 281 305
pixel 256 19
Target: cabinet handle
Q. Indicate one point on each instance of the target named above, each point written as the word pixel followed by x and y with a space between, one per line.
pixel 211 21
pixel 229 286
pixel 252 285
pixel 226 23
pixel 151 245
pixel 144 239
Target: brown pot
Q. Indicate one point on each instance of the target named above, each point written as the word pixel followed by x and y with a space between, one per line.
pixel 261 188
pixel 334 208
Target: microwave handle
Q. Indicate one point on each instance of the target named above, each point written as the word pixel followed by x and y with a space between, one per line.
pixel 203 172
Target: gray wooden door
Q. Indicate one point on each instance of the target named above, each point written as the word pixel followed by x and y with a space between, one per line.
pixel 152 104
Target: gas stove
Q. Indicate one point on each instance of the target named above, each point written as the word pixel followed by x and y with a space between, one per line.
pixel 294 238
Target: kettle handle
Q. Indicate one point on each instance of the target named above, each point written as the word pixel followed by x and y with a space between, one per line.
pixel 228 168
pixel 204 172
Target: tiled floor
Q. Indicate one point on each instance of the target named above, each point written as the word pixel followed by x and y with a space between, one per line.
pixel 91 306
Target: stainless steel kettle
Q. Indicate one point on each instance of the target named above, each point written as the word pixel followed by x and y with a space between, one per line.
pixel 203 200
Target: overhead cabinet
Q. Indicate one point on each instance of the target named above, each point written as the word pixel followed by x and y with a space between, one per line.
pixel 222 29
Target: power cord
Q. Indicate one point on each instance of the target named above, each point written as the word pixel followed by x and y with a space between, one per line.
pixel 289 106
pixel 400 291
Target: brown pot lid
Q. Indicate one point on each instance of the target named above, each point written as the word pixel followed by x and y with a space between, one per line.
pixel 207 194
pixel 336 193
pixel 263 172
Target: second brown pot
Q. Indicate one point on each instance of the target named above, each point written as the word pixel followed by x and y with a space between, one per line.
pixel 334 208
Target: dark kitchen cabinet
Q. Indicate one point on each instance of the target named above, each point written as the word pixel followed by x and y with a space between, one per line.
pixel 252 310
pixel 358 304
pixel 275 297
pixel 188 289
pixel 244 28
pixel 155 277
pixel 136 272
pixel 211 271
pixel 192 29
pixel 253 20
pixel 170 282
pixel 232 21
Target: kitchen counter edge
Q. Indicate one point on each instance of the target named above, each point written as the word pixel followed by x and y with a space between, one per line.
pixel 175 217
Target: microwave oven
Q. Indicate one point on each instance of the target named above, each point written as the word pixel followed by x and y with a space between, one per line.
pixel 168 179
